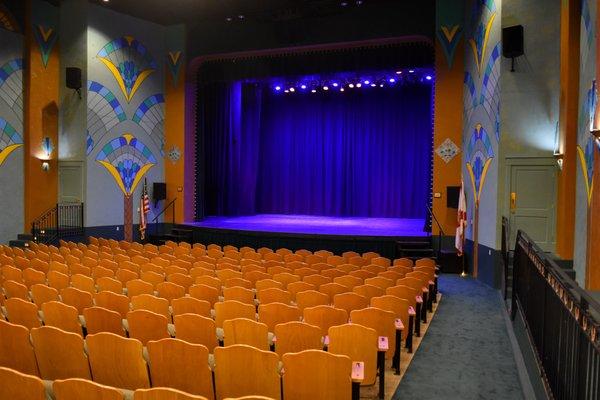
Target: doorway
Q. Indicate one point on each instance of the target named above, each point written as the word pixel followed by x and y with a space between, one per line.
pixel 531 195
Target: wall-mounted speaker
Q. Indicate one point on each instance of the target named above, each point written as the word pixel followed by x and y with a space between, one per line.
pixel 452 196
pixel 74 78
pixel 159 191
pixel 512 41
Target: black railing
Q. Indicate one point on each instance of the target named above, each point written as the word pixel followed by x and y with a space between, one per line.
pixel 63 220
pixel 562 322
pixel 171 205
pixel 505 256
pixel 441 233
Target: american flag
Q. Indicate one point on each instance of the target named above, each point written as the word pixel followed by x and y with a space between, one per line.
pixel 144 210
pixel 462 220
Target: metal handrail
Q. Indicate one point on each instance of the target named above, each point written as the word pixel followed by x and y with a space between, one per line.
pixel 440 231
pixel 155 219
pixel 561 320
pixel 62 220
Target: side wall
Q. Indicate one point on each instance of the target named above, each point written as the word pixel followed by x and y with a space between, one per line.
pixel 125 103
pixel 11 128
pixel 481 134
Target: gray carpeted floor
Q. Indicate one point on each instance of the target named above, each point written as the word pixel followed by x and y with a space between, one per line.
pixel 466 353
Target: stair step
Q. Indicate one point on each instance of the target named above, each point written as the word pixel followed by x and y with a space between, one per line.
pixel 19 243
pixel 184 230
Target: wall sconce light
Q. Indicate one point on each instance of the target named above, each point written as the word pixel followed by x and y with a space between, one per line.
pixel 47 149
pixel 560 158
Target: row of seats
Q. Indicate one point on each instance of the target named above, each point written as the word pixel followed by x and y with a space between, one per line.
pixel 237 288
pixel 106 309
pixel 236 370
pixel 17 386
pixel 282 294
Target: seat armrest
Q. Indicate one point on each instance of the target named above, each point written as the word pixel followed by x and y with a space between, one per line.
pixel 411 311
pixel 383 343
pixel 358 371
pixel 326 340
pixel 419 299
pixel 399 324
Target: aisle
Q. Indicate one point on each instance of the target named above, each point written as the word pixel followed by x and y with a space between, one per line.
pixel 466 353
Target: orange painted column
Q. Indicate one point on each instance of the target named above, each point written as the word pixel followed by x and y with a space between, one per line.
pixel 569 104
pixel 175 133
pixel 41 84
pixel 448 124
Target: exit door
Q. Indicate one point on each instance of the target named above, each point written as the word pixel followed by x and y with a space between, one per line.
pixel 532 200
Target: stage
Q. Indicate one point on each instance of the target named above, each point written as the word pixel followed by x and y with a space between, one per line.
pixel 317 225
pixel 337 234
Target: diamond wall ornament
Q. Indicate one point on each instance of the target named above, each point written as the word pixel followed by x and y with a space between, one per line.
pixel 447 150
pixel 174 154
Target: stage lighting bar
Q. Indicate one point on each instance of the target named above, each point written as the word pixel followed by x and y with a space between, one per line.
pixel 341 82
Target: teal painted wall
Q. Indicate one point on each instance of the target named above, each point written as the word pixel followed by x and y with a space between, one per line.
pixel 11 112
pixel 587 75
pixel 481 129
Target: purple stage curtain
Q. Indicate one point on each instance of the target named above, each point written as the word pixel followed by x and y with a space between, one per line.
pixel 365 152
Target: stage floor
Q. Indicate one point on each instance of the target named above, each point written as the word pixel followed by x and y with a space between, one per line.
pixel 317 225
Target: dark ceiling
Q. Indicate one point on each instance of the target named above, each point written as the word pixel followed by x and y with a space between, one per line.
pixel 189 11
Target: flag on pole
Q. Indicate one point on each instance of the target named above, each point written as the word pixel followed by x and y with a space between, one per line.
pixel 144 210
pixel 462 220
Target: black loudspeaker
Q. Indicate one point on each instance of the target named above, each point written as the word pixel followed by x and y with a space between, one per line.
pixel 512 41
pixel 452 195
pixel 159 191
pixel 74 78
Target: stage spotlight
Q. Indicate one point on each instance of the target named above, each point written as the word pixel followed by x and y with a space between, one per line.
pixel 287 91
pixel 278 88
pixel 428 77
pixel 344 3
pixel 359 2
pixel 342 90
pixel 303 87
pixel 314 91
pixel 241 17
pixel 325 88
pixel 373 84
pixel 351 86
pixel 292 90
pixel 398 72
pixel 392 80
pixel 381 85
pixel 367 82
pixel 335 84
pixel 358 85
pixel 228 19
pixel 410 71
